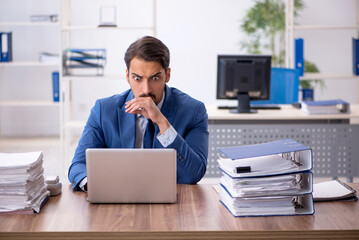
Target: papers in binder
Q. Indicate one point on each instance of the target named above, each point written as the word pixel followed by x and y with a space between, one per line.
pixel 271 178
pixel 268 205
pixel 277 157
pixel 291 184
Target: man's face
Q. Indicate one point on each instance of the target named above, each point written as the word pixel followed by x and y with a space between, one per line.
pixel 147 78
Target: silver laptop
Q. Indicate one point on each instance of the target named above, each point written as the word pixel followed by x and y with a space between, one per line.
pixel 131 175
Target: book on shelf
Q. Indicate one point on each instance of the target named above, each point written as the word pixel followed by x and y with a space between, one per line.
pixel 272 178
pixel 334 190
pixel 334 106
pixel 22 183
pixel 5 46
pixel 299 55
pixel 44 18
pixel 355 48
pixel 56 86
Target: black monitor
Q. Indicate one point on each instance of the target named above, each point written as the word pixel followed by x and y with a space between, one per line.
pixel 243 77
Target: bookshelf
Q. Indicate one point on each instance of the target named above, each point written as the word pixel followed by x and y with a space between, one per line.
pixel 85 33
pixel 20 79
pixel 292 27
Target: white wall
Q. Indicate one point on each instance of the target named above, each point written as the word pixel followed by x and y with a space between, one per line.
pixel 194 30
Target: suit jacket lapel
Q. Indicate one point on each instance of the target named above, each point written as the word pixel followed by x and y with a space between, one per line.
pixel 127 125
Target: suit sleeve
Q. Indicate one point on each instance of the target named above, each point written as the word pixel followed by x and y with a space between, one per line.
pixel 92 137
pixel 192 149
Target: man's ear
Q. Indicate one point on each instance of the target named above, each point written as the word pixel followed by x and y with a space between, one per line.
pixel 168 75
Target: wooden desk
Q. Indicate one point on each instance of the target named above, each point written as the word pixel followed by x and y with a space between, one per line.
pixel 197 215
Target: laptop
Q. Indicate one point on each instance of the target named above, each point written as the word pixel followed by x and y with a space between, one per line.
pixel 131 175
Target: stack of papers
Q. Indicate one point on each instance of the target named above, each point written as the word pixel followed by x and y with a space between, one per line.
pixel 267 179
pixel 22 183
pixel 326 107
pixel 292 184
pixel 260 166
pixel 270 205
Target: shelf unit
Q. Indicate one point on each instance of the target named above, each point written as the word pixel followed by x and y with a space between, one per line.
pixel 291 27
pixel 28 24
pixel 68 124
pixel 16 65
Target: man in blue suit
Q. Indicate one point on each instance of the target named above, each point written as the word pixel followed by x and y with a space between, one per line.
pixel 149 115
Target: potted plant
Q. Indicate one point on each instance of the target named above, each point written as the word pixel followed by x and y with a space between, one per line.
pixel 264 25
pixel 307 85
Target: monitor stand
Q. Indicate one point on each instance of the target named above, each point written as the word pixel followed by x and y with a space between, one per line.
pixel 243 104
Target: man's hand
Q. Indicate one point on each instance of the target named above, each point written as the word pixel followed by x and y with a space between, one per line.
pixel 147 108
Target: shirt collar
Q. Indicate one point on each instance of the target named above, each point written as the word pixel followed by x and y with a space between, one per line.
pixel 159 105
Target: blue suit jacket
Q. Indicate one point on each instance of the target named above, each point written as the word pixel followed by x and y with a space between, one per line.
pixel 109 126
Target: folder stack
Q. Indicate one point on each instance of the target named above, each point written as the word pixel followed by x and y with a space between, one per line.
pixel 84 61
pixel 22 183
pixel 271 178
pixel 334 106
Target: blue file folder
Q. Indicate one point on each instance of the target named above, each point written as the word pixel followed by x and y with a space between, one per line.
pixel 284 87
pixel 299 55
pixel 279 183
pixel 304 205
pixel 355 56
pixel 266 159
pixel 56 86
pixel 6 46
pixel 263 149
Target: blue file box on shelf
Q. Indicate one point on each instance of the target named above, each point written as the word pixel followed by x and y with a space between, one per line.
pixel 55 86
pixel 299 55
pixel 284 87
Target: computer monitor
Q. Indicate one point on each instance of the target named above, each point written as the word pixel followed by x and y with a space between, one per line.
pixel 245 78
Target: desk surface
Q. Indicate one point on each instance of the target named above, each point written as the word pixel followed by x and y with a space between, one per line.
pixel 197 215
pixel 287 112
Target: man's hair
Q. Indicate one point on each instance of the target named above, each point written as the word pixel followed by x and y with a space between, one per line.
pixel 148 49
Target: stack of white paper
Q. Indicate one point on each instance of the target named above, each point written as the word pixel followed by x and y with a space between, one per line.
pixel 260 166
pixel 22 183
pixel 267 179
pixel 259 206
pixel 267 186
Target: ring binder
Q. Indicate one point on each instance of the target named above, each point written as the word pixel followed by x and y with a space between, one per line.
pixel 292 156
pixel 280 181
